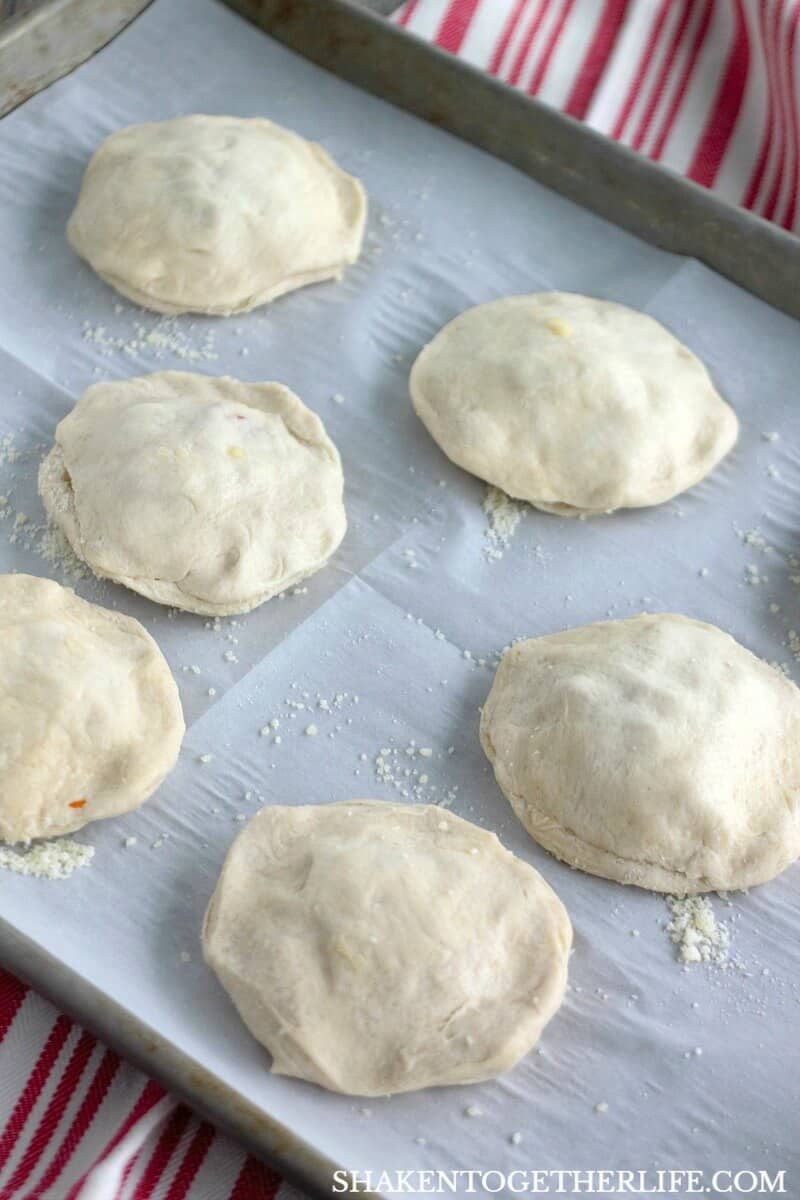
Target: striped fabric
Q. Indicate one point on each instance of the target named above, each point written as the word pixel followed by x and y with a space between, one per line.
pixel 708 87
pixel 76 1123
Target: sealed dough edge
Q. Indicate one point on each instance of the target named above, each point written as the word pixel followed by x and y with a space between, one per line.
pixel 304 425
pixel 358 1000
pixel 59 502
pixel 757 861
pixel 102 223
pixel 465 388
pixel 155 304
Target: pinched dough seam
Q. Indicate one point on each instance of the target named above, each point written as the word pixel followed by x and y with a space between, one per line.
pixel 621 858
pixel 221 607
pixel 704 464
pixel 176 307
pixel 291 1056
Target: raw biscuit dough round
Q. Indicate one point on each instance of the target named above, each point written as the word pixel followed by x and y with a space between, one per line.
pixel 377 948
pixel 203 493
pixel 655 751
pixel 576 405
pixel 90 717
pixel 215 214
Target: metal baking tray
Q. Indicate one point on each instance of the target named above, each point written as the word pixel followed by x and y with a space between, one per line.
pixel 654 203
pixel 650 200
pixel 40 44
pixel 356 43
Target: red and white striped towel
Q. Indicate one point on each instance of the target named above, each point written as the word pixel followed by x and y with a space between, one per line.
pixel 709 87
pixel 76 1123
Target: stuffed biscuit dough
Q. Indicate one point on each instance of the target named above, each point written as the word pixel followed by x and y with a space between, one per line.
pixel 578 406
pixel 90 719
pixel 376 947
pixel 207 494
pixel 655 751
pixel 215 214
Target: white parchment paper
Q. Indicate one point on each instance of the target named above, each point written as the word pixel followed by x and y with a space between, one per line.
pixel 449 227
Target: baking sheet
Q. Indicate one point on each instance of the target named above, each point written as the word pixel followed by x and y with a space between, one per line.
pixel 391 634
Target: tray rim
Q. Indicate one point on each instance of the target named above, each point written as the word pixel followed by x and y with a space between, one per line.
pixel 345 34
pixel 42 44
pixel 652 201
pixel 295 1159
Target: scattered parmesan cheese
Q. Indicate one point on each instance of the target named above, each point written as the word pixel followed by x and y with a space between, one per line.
pixel 395 766
pixel 696 932
pixel 9 454
pixel 52 545
pixel 793 643
pixel 164 337
pixel 503 515
pixel 47 860
pixel 753 576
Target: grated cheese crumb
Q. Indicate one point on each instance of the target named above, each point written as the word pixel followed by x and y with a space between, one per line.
pixel 47 860
pixel 9 454
pixel 503 515
pixel 696 932
pixel 159 339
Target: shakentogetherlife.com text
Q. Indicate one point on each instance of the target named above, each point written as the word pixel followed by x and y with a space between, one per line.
pixel 673 1182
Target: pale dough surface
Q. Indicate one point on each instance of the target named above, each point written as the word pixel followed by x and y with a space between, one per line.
pixel 377 948
pixel 215 214
pixel 576 405
pixel 655 751
pixel 90 718
pixel 203 493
